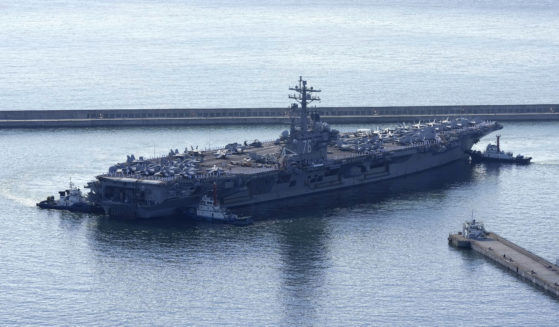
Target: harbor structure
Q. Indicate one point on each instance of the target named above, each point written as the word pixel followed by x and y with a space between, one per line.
pixel 521 262
pixel 259 116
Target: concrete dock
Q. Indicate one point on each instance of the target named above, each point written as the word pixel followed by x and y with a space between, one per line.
pixel 245 116
pixel 520 261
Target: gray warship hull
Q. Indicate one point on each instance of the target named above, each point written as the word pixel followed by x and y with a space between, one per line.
pixel 350 173
pixel 308 159
pixel 147 198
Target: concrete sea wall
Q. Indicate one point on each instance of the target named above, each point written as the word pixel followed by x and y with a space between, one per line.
pixel 241 116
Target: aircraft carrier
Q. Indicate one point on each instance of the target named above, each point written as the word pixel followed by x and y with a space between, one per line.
pixel 308 158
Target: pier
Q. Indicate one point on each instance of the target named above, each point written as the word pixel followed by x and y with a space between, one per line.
pixel 260 116
pixel 518 260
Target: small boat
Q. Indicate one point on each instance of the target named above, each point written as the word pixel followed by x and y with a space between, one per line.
pixel 471 230
pixel 71 199
pixel 474 230
pixel 209 210
pixel 493 153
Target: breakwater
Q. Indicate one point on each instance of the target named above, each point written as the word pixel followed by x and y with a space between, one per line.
pixel 525 264
pixel 240 116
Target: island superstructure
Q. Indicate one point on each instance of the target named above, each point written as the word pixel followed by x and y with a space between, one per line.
pixel 308 158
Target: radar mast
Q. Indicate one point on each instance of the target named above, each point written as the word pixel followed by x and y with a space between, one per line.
pixel 308 140
pixel 304 96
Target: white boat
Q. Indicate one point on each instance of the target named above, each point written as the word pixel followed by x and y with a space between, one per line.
pixel 210 210
pixel 71 199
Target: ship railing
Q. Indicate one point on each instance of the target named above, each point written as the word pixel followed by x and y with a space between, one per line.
pixel 207 148
pixel 226 175
pixel 169 178
pixel 426 144
pixel 222 173
pixel 355 155
pixel 221 147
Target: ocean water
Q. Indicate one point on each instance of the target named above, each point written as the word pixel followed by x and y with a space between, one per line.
pixel 376 255
pixel 69 54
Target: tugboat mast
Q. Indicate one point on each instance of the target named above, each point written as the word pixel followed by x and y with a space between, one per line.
pixel 304 96
pixel 498 143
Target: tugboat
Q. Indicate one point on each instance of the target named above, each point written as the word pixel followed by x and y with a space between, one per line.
pixel 493 153
pixel 210 210
pixel 71 199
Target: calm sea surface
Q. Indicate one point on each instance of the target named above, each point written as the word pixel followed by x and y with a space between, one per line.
pixel 69 54
pixel 376 255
